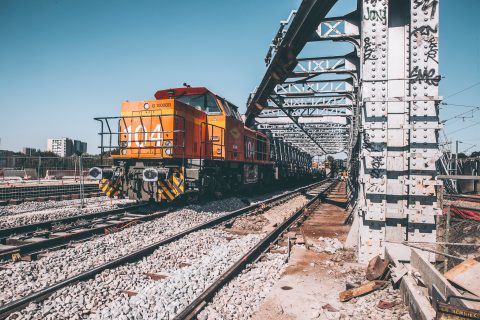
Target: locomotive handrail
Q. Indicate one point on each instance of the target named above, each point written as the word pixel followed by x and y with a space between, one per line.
pixel 145 143
pixel 207 141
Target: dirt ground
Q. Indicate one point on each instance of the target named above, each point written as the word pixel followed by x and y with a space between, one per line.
pixel 310 286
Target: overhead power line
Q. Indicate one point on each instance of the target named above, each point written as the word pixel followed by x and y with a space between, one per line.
pixel 463 90
pixel 458 116
pixel 458 105
pixel 472 125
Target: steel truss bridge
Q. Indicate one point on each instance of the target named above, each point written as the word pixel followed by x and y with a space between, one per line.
pixel 378 103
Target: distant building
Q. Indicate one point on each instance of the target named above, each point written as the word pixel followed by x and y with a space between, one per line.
pixel 79 147
pixel 62 147
pixel 29 151
pixel 7 159
pixel 66 147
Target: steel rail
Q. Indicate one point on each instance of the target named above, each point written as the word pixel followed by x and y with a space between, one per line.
pixel 42 294
pixel 48 225
pixel 194 308
pixel 34 248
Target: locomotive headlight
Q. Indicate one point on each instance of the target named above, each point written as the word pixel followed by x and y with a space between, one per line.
pixel 146 106
pixel 95 173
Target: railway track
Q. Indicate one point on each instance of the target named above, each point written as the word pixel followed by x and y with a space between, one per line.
pixel 28 241
pixel 196 306
pixel 145 251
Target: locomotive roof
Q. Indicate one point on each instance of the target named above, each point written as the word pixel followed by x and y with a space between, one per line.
pixel 175 92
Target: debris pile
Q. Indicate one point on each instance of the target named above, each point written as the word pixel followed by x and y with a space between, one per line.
pixel 370 294
pixel 328 245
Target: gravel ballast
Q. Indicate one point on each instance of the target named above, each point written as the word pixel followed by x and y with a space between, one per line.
pixel 160 285
pixel 26 277
pixel 189 264
pixel 242 296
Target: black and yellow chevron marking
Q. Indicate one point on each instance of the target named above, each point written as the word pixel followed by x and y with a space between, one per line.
pixel 173 186
pixel 109 187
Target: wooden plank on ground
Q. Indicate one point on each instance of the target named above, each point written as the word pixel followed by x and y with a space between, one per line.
pixel 361 290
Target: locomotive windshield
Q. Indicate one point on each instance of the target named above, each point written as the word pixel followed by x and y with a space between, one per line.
pixel 205 102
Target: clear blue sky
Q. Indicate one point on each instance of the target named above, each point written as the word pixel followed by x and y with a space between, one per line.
pixel 64 62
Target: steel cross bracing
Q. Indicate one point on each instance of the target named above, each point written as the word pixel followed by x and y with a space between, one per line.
pixel 308 67
pixel 333 101
pixel 311 88
pixel 383 113
pixel 306 112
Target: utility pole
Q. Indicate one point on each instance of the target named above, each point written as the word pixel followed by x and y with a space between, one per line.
pixel 456 158
pixel 456 163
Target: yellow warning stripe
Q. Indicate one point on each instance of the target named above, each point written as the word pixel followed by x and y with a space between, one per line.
pixel 107 187
pixel 178 183
pixel 102 183
pixel 166 191
pixel 111 192
pixel 172 188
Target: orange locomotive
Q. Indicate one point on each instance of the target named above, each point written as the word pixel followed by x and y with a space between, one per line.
pixel 188 140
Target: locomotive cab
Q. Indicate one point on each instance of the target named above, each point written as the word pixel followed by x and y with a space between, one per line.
pixel 224 125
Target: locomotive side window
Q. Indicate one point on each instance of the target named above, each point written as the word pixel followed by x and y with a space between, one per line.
pixel 211 105
pixel 261 149
pixel 231 110
pixel 227 108
pixel 204 102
